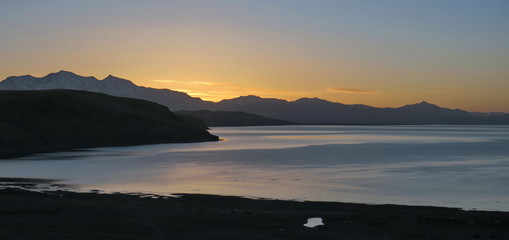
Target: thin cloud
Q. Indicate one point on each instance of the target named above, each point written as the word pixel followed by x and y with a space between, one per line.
pixel 349 90
pixel 216 91
pixel 205 83
pixel 164 81
pixel 188 83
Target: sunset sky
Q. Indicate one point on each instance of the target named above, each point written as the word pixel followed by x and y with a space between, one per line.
pixel 384 53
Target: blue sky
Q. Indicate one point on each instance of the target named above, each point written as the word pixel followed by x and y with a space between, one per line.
pixel 454 53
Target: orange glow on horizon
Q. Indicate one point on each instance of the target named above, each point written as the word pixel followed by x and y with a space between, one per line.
pixel 347 92
pixel 377 54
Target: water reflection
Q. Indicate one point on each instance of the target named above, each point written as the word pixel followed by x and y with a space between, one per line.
pixel 461 166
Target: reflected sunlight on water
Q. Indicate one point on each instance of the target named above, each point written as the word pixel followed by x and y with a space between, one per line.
pixel 460 166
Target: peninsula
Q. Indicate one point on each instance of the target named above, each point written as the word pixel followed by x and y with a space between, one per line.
pixel 56 120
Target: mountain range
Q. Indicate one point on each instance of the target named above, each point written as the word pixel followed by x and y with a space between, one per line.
pixel 301 111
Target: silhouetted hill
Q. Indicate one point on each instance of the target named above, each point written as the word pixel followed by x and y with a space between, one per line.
pixel 487 113
pixel 228 118
pixel 51 120
pixel 318 111
pixel 303 111
pixel 500 119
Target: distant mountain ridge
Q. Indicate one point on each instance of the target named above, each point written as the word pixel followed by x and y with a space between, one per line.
pixel 303 111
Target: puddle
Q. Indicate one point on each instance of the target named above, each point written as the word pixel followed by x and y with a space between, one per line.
pixel 313 222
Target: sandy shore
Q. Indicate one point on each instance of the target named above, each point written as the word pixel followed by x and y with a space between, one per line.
pixel 69 215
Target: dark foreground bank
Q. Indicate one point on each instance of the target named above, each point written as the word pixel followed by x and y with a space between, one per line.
pixel 68 215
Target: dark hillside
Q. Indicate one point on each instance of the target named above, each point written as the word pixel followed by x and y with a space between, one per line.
pixel 230 118
pixel 49 120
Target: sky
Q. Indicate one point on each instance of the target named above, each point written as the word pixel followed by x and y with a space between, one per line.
pixel 384 53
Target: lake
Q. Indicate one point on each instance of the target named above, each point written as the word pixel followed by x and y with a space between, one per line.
pixel 439 165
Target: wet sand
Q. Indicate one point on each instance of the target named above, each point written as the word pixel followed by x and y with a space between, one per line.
pixel 61 214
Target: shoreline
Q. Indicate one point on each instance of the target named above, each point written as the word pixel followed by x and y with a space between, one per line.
pixel 72 215
pixel 27 152
pixel 48 185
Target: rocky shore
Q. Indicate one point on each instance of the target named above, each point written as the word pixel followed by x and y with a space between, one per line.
pixel 26 214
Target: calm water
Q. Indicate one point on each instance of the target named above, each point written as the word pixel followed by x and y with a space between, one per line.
pixel 459 166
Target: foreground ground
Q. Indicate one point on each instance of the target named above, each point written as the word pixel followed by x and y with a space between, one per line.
pixel 68 215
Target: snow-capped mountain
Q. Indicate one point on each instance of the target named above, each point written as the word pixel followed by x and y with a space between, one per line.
pixel 110 85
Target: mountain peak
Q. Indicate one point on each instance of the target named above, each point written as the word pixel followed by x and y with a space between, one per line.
pixel 62 73
pixel 423 106
pixel 424 103
pixel 245 99
pixel 116 80
pixel 253 97
pixel 109 77
pixel 14 78
pixel 311 100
